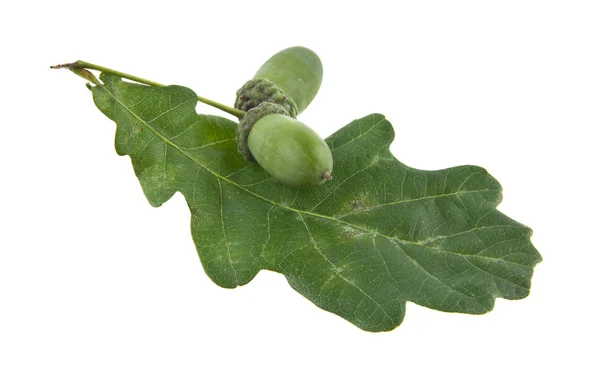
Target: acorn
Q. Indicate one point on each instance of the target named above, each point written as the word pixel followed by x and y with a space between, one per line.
pixel 269 133
pixel 287 149
pixel 291 78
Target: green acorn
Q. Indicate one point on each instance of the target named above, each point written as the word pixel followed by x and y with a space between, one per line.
pixel 290 78
pixel 290 151
pixel 287 149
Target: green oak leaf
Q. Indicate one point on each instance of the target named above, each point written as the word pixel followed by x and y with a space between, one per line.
pixel 380 234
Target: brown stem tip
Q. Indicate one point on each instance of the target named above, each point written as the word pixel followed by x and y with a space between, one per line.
pixel 326 175
pixel 64 66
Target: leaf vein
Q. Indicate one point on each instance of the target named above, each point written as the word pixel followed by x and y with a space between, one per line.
pixel 225 234
pixel 338 273
pixel 360 135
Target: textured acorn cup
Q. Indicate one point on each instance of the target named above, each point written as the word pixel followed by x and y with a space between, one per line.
pixel 247 123
pixel 290 151
pixel 297 71
pixel 261 90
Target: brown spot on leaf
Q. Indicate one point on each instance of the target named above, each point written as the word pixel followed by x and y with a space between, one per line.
pixel 356 205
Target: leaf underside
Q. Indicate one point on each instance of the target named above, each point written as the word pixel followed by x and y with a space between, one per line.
pixel 378 235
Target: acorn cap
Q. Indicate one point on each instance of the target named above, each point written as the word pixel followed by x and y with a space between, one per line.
pixel 260 90
pixel 247 122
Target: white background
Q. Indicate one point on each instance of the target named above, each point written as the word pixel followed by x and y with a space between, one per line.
pixel 94 281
